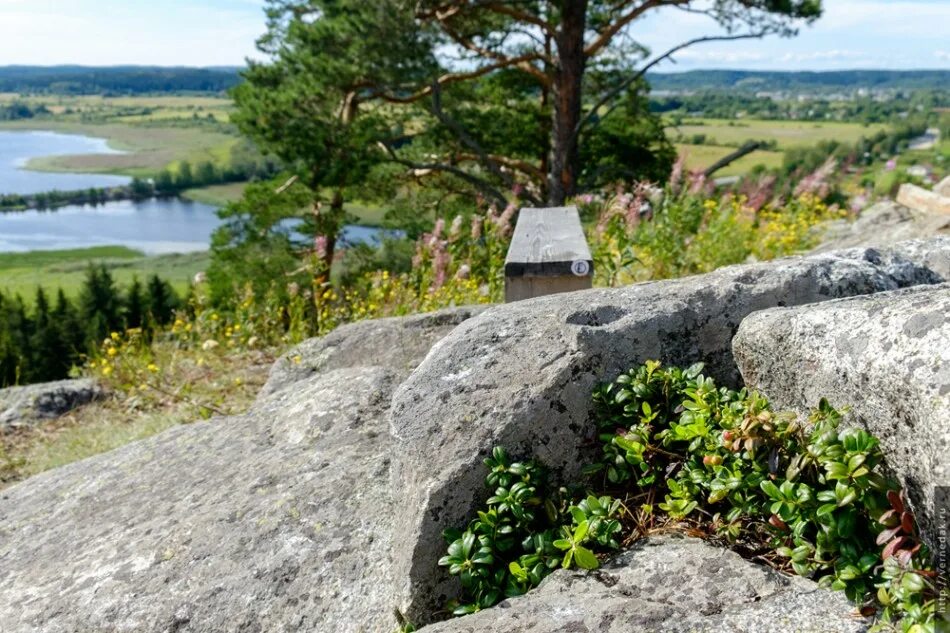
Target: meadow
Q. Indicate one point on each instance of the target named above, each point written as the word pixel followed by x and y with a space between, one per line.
pixel 699 157
pixel 21 273
pixel 786 134
pixel 152 107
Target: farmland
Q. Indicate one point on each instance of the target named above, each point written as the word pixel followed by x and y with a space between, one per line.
pixel 699 157
pixel 21 273
pixel 786 134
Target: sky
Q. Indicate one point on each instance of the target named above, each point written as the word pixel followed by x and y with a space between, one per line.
pixel 892 34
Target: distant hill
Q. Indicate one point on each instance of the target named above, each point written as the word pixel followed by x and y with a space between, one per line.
pixel 811 82
pixel 143 79
pixel 115 79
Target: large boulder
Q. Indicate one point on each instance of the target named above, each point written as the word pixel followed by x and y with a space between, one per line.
pixel 276 520
pixel 398 343
pixel 521 376
pixel 883 224
pixel 664 585
pixel 886 357
pixel 31 404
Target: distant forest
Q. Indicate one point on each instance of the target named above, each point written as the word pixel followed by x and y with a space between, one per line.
pixel 114 80
pixel 119 80
pixel 809 82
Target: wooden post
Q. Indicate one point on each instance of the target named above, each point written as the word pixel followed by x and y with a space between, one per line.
pixel 548 254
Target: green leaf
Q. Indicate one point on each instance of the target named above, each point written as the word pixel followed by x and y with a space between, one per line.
pixel 580 532
pixel 770 489
pixel 585 558
pixel 828 508
pixel 912 582
pixel 568 556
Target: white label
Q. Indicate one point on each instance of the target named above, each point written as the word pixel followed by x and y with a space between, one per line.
pixel 580 267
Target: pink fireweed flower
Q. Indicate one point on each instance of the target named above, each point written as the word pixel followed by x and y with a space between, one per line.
pixel 476 227
pixel 759 193
pixel 439 229
pixel 697 183
pixel 505 218
pixel 456 229
pixel 816 183
pixel 676 176
pixel 440 265
pixel 320 243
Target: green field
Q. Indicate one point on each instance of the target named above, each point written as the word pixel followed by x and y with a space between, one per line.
pixel 216 195
pixel 701 156
pixel 21 273
pixel 785 133
pixel 144 108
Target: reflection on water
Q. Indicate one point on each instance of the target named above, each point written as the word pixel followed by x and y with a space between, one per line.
pixel 151 226
pixel 17 148
pixel 157 226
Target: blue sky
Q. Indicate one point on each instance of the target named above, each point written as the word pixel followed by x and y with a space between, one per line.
pixel 899 34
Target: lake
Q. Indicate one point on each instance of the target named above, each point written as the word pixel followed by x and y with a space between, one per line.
pixel 17 148
pixel 156 226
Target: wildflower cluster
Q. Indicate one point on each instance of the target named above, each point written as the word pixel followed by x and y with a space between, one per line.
pixel 649 234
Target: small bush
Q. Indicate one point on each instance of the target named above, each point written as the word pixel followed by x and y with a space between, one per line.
pixel 526 531
pixel 682 453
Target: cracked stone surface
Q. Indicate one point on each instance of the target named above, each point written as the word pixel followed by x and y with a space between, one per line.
pixel 668 584
pixel 886 357
pixel 521 375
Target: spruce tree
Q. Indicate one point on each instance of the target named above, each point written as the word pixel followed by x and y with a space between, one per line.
pixel 134 305
pixel 99 304
pixel 161 301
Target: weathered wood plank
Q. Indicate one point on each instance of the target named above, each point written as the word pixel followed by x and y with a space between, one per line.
pixel 548 254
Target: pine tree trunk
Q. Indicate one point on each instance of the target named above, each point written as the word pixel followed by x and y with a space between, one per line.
pixel 566 93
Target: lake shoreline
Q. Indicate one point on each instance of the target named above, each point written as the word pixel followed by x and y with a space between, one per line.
pixel 55 199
